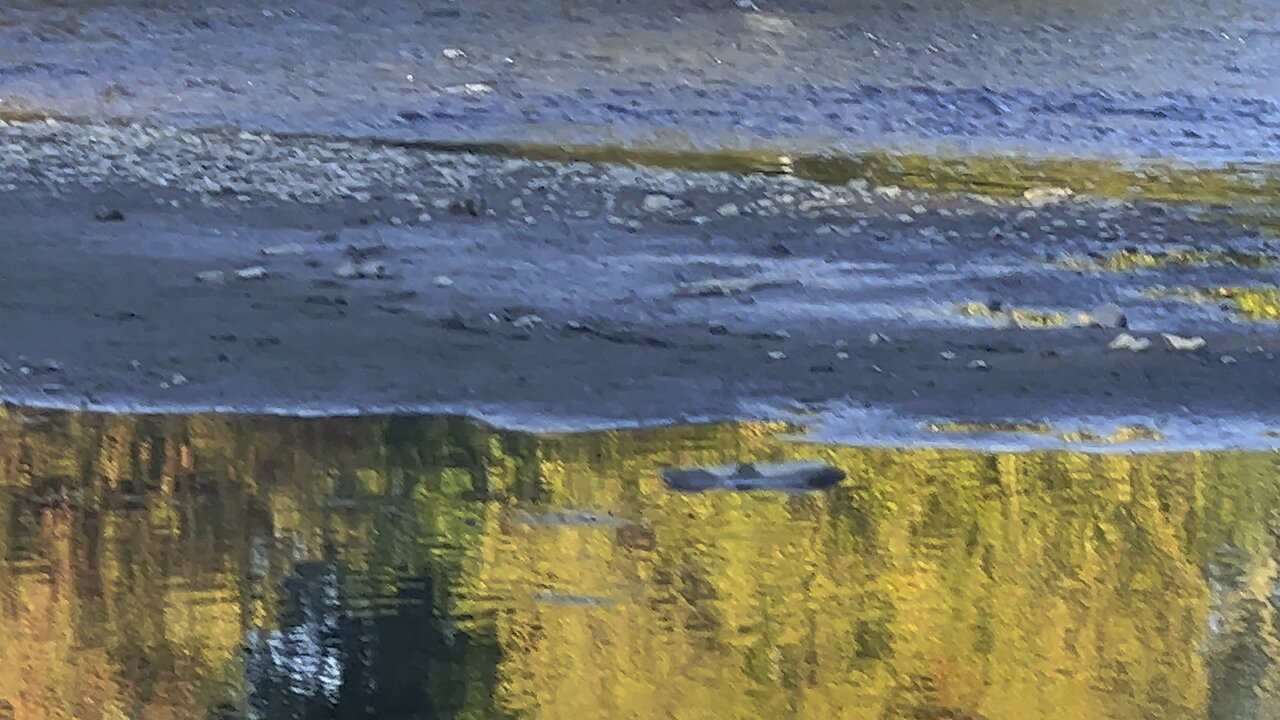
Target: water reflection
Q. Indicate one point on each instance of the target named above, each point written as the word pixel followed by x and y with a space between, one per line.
pixel 211 567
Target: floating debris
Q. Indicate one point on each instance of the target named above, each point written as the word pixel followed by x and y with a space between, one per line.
pixel 790 476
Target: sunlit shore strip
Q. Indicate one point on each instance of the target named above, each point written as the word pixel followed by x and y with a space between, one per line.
pixel 1249 188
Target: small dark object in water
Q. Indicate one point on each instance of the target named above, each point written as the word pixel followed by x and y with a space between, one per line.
pixel 773 476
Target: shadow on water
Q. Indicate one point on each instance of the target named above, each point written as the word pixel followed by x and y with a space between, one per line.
pixel 223 567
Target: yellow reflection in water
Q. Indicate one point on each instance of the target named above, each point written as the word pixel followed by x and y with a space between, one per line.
pixel 201 566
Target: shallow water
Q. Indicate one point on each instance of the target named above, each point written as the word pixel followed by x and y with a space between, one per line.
pixel 216 567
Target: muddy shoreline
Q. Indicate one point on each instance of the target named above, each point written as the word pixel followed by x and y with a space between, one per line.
pixel 560 296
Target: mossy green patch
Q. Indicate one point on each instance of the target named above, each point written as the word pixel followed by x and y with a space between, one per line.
pixel 1260 303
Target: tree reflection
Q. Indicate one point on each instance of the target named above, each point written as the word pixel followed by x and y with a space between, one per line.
pixel 180 567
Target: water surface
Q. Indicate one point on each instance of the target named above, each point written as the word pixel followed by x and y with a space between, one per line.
pixel 216 567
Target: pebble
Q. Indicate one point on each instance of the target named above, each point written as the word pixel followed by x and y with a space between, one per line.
pixel 366 269
pixel 290 248
pixel 842 355
pixel 947 355
pixel 1184 344
pixel 1109 316
pixel 254 272
pixel 877 338
pixel 212 277
pixel 1040 196
pixel 728 210
pixel 442 281
pixel 425 217
pixel 1227 360
pixel 777 355
pixel 978 365
pixel 178 379
pixel 107 214
pixel 527 322
pixel 453 54
pixel 1125 341
pixel 658 203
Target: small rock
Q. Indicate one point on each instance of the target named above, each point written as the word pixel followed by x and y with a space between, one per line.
pixel 1109 316
pixel 781 334
pixel 291 248
pixel 842 355
pixel 212 277
pixel 108 214
pixel 777 355
pixel 1125 341
pixel 255 272
pixel 1184 344
pixel 178 379
pixel 1227 360
pixel 1040 196
pixel 947 355
pixel 527 322
pixel 135 365
pixel 443 281
pixel 366 269
pixel 978 365
pixel 658 203
pixel 728 210
pixel 877 338
pixel 453 54
pixel 425 217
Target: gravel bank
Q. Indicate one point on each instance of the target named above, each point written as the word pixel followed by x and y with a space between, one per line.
pixel 159 269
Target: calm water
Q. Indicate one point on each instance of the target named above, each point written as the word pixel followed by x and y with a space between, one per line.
pixel 209 567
